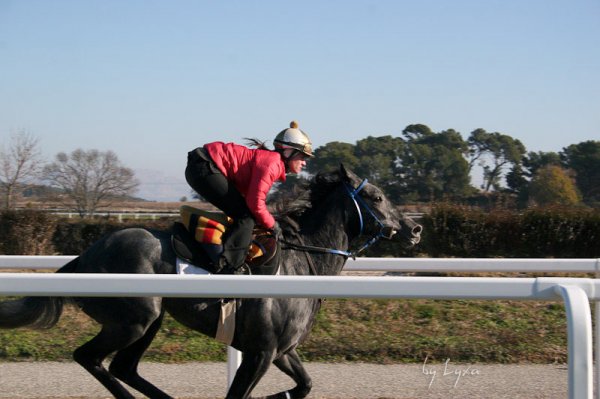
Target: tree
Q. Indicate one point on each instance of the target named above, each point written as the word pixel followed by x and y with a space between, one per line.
pixel 536 160
pixel 519 177
pixel 329 157
pixel 516 179
pixel 423 166
pixel 478 146
pixel 374 158
pixel 416 132
pixel 378 159
pixel 552 185
pixel 90 179
pixel 584 159
pixel 501 148
pixel 433 165
pixel 20 163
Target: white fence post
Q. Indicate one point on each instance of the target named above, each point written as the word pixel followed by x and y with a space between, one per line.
pixel 234 359
pixel 597 333
pixel 597 346
pixel 579 326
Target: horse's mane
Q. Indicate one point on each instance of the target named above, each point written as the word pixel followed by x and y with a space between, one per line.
pixel 304 196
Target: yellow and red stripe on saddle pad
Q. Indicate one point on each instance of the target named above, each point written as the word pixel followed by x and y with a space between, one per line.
pixel 206 226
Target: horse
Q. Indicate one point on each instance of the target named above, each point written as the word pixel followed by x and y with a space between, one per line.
pixel 318 229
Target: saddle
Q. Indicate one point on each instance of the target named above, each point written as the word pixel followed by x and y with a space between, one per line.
pixel 198 240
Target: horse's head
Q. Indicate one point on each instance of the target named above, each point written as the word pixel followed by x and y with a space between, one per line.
pixel 375 215
pixel 372 213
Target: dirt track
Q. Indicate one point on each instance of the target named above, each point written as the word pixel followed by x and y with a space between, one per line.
pixel 347 380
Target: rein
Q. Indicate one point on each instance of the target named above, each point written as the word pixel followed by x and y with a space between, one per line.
pixel 358 202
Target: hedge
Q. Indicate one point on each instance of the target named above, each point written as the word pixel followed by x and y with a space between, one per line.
pixel 455 231
pixel 39 233
pixel 449 231
pixel 26 232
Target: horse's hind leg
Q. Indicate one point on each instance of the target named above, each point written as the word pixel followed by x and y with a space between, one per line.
pixel 110 339
pixel 291 365
pixel 125 363
pixel 124 322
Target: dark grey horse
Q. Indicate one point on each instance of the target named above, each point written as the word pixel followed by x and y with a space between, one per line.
pixel 334 210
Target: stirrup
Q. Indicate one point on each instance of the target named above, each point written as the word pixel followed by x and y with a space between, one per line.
pixel 243 269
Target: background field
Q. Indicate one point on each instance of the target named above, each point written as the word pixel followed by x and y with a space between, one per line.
pixel 382 331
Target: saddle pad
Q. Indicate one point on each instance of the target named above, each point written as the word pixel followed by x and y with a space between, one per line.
pixel 187 268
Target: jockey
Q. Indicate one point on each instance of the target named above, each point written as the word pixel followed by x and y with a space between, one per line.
pixel 236 179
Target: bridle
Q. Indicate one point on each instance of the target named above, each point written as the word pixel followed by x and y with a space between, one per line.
pixel 384 231
pixel 361 206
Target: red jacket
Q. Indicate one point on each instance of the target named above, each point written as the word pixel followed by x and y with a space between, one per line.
pixel 252 171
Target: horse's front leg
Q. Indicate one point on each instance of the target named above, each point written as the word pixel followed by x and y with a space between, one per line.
pixel 291 364
pixel 253 368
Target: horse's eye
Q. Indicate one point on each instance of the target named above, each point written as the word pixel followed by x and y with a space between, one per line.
pixel 379 199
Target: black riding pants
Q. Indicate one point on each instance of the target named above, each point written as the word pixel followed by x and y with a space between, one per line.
pixel 206 179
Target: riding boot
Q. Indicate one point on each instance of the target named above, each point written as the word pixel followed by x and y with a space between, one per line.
pixel 236 242
pixel 225 266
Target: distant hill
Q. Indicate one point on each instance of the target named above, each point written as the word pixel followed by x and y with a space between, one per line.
pixel 156 185
pixel 38 191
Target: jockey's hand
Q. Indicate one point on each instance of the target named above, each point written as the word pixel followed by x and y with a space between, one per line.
pixel 277 233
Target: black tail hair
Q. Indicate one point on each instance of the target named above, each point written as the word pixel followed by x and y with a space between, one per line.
pixel 35 312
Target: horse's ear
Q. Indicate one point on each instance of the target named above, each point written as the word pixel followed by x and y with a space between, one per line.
pixel 348 176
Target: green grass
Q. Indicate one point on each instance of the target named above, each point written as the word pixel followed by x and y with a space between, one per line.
pixel 382 331
pixel 410 330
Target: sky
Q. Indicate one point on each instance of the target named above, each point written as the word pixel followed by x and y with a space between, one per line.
pixel 152 80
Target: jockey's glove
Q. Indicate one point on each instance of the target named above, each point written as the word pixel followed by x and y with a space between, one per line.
pixel 277 233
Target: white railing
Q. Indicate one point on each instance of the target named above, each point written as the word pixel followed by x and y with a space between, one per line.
pixel 576 292
pixel 471 265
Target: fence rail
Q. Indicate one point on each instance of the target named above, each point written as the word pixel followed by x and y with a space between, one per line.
pixel 472 265
pixel 120 216
pixel 575 292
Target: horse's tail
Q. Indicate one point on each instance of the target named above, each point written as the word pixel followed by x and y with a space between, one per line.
pixel 34 312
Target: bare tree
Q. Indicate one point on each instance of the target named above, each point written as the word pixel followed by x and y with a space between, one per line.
pixel 20 164
pixel 90 179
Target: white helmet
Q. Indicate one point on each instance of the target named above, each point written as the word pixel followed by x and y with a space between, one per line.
pixel 295 139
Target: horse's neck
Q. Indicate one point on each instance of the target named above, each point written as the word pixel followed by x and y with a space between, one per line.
pixel 325 227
